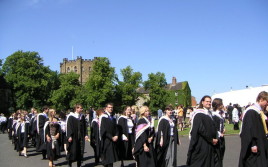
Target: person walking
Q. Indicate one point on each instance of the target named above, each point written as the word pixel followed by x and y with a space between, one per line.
pixel 143 149
pixel 95 141
pixel 217 113
pixel 109 137
pixel 76 134
pixel 22 136
pixel 40 123
pixel 126 138
pixel 254 146
pixel 52 137
pixel 203 137
pixel 235 117
pixel 167 140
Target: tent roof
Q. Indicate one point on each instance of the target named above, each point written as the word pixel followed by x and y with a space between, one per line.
pixel 241 97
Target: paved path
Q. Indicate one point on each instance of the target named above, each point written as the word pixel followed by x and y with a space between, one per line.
pixel 9 157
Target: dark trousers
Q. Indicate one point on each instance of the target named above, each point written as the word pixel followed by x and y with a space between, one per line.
pixel 3 127
pixel 236 126
pixel 44 153
pixel 70 163
pixel 109 165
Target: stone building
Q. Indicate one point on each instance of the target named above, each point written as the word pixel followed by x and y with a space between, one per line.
pixel 180 93
pixel 80 66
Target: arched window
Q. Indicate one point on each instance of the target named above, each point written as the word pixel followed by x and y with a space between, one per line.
pixel 75 69
pixel 68 69
pixel 89 68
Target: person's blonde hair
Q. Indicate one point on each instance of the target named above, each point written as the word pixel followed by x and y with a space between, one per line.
pixel 143 109
pixel 51 114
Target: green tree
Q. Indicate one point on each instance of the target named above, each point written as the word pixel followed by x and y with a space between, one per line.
pixel 1 64
pixel 30 80
pixel 126 94
pixel 158 94
pixel 62 98
pixel 100 87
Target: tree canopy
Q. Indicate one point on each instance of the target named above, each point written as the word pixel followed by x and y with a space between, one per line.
pixel 33 85
pixel 30 80
pixel 158 94
pixel 100 87
pixel 62 98
pixel 126 90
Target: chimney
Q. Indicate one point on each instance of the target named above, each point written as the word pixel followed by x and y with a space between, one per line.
pixel 174 80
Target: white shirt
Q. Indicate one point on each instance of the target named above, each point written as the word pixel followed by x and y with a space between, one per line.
pixel 130 125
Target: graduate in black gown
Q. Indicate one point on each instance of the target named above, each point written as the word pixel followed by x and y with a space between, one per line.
pixel 52 137
pixel 109 137
pixel 203 137
pixel 16 119
pixel 22 135
pixel 254 147
pixel 166 140
pixel 126 139
pixel 76 135
pixel 95 136
pixel 33 129
pixel 40 139
pixel 217 106
pixel 63 139
pixel 143 149
pixel 9 126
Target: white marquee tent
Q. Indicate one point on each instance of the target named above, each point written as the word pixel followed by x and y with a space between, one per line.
pixel 241 97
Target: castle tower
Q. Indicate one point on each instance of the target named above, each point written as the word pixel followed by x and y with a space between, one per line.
pixel 174 81
pixel 80 66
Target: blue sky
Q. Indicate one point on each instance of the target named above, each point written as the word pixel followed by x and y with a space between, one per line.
pixel 214 45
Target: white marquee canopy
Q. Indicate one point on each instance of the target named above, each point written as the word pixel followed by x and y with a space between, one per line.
pixel 241 97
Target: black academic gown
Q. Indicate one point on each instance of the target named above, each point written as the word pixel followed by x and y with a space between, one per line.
pixel 76 128
pixel 253 134
pixel 52 154
pixel 164 127
pixel 109 148
pixel 144 159
pixel 125 147
pixel 95 139
pixel 9 127
pixel 63 139
pixel 33 130
pixel 202 152
pixel 220 147
pixel 22 136
pixel 40 140
pixel 15 136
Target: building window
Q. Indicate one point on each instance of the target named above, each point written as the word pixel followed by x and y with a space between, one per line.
pixel 89 68
pixel 68 69
pixel 83 69
pixel 75 69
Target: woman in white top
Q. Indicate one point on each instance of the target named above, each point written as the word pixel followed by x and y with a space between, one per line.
pixel 126 134
pixel 235 117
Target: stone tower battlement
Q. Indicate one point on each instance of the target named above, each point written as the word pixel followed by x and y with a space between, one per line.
pixel 80 66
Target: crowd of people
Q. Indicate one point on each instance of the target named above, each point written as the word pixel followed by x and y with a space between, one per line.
pixel 133 135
